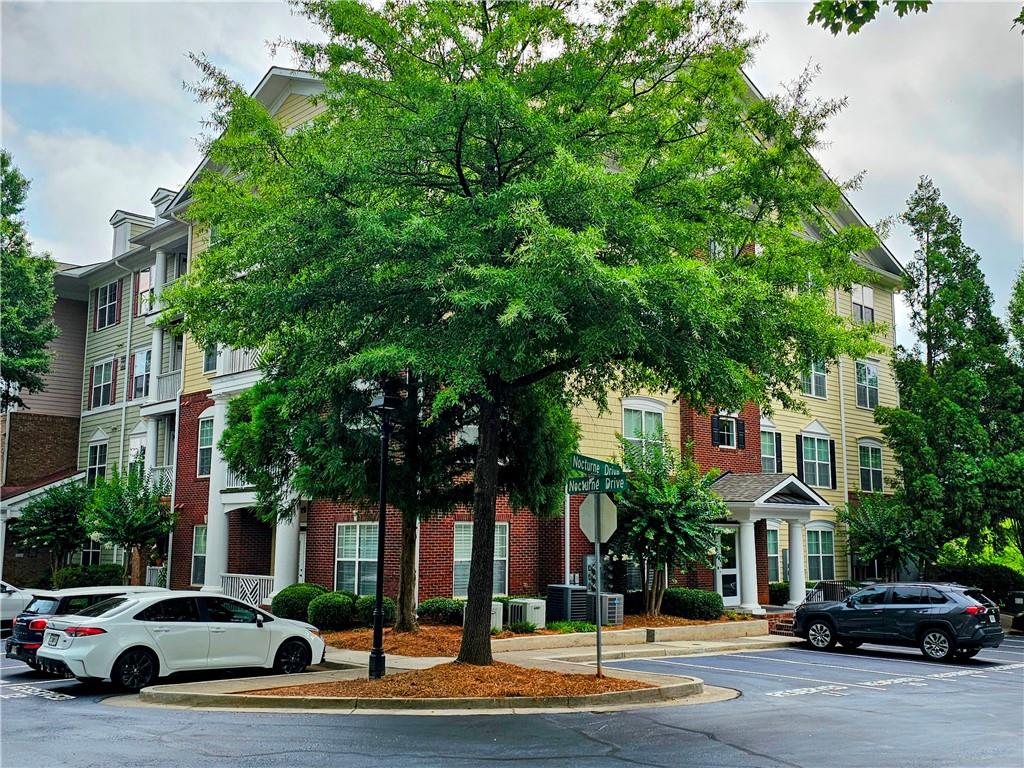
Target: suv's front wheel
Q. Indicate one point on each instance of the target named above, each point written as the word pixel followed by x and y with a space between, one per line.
pixel 820 635
pixel 937 644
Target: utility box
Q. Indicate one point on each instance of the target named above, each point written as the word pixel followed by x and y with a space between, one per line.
pixel 566 602
pixel 612 608
pixel 497 613
pixel 522 609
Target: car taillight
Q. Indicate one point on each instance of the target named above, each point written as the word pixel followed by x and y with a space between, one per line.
pixel 974 610
pixel 83 631
pixel 37 625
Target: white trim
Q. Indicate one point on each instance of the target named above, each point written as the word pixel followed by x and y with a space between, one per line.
pixel 99 436
pixel 816 429
pixel 801 486
pixel 767 425
pixel 644 403
pixel 199 438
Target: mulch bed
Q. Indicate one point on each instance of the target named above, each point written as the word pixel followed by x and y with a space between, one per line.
pixel 640 621
pixel 464 681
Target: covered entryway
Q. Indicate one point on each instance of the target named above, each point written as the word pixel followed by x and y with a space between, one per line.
pixel 727 570
pixel 760 496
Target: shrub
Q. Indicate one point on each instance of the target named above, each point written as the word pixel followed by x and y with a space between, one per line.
pixel 293 602
pixel 692 604
pixel 996 581
pixel 778 593
pixel 522 627
pixel 331 611
pixel 568 627
pixel 364 610
pixel 441 610
pixel 107 575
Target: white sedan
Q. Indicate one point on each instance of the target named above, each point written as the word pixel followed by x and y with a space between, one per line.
pixel 12 602
pixel 134 639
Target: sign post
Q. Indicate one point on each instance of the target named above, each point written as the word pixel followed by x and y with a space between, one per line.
pixel 602 477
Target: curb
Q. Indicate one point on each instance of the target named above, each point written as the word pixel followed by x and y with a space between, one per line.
pixel 641 653
pixel 160 694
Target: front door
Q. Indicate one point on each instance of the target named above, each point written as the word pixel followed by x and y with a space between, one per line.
pixel 727 572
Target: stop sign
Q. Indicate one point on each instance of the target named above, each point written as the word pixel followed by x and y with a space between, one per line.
pixel 588 517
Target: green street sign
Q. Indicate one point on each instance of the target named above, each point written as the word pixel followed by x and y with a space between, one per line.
pixel 605 484
pixel 592 466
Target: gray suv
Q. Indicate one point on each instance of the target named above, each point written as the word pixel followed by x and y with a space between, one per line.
pixel 943 620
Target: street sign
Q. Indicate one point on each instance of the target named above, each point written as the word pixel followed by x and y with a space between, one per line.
pixel 592 466
pixel 606 484
pixel 588 517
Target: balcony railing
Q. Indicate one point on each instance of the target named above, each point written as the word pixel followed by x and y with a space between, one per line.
pixel 239 360
pixel 235 479
pixel 163 475
pixel 249 588
pixel 167 386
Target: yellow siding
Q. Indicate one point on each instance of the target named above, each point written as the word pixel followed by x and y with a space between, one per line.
pixel 598 430
pixel 296 110
pixel 193 379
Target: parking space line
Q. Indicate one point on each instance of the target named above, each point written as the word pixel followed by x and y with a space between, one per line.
pixel 893 659
pixel 830 666
pixel 763 674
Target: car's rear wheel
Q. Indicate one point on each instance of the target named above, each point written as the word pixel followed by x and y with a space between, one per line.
pixel 967 653
pixel 821 636
pixel 851 645
pixel 292 657
pixel 135 669
pixel 937 644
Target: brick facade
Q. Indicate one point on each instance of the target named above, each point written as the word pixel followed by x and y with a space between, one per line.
pixel 191 493
pixel 249 543
pixel 696 428
pixel 38 445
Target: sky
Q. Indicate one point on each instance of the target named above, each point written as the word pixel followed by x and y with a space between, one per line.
pixel 96 115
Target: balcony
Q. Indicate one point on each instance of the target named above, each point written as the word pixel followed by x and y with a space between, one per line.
pixel 238 360
pixel 167 386
pixel 163 475
pixel 248 588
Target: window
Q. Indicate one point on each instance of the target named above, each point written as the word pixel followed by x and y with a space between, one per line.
pixel 816 462
pixel 176 354
pixel 726 432
pixel 140 373
pixel 813 382
pixel 821 559
pixel 774 561
pixel 102 384
pixel 106 305
pixel 199 554
pixel 867 385
pixel 175 609
pixel 223 610
pixel 210 359
pixel 870 596
pixel 642 421
pixel 863 304
pixel 355 558
pixel 770 458
pixel 97 463
pixel 464 551
pixel 91 552
pixel 143 291
pixel 204 459
pixel 936 598
pixel 136 453
pixel 906 595
pixel 870 466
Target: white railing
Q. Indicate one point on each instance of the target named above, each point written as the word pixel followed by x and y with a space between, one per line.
pixel 254 590
pixel 235 479
pixel 164 475
pixel 153 575
pixel 167 386
pixel 239 360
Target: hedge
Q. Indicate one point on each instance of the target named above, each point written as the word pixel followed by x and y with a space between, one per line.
pixel 692 604
pixel 107 575
pixel 293 602
pixel 441 610
pixel 995 580
pixel 332 611
pixel 365 606
pixel 778 591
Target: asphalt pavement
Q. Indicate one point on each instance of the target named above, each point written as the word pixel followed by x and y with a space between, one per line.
pixel 871 707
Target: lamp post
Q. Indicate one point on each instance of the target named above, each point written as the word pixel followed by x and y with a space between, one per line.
pixel 385 405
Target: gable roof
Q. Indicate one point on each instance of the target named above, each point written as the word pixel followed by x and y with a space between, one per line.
pixel 763 488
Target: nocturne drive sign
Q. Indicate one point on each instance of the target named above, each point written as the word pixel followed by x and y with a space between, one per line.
pixel 591 466
pixel 613 484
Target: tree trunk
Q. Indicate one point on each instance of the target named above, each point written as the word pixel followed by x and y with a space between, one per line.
pixel 126 575
pixel 659 590
pixel 405 613
pixel 476 630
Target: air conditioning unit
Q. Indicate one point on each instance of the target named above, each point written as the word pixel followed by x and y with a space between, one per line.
pixel 612 608
pixel 521 609
pixel 497 613
pixel 566 602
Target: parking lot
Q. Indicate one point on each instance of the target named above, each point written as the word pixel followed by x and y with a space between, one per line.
pixel 869 671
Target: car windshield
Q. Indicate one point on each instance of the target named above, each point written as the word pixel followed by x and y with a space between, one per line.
pixel 977 595
pixel 105 606
pixel 42 605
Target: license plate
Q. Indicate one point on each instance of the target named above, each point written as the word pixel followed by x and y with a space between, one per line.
pixel 51 639
pixel 992 618
pixel 14 648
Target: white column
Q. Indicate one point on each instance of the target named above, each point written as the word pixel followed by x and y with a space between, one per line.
pixel 3 542
pixel 216 518
pixel 151 443
pixel 286 553
pixel 748 569
pixel 156 356
pixel 797 579
pixel 159 275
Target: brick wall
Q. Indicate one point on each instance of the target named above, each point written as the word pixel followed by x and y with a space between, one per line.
pixel 249 543
pixel 191 493
pixel 39 445
pixel 696 427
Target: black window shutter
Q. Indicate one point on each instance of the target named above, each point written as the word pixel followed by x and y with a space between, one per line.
pixel 778 451
pixel 799 457
pixel 714 430
pixel 832 461
pixel 741 434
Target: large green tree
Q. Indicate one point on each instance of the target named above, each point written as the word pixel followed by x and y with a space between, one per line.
pixel 53 521
pixel 504 195
pixel 958 435
pixel 26 295
pixel 851 15
pixel 880 530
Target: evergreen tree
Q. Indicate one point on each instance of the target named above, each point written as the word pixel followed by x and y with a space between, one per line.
pixel 53 521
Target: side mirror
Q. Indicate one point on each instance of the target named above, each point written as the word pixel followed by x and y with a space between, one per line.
pixel 849 602
pixel 259 620
pixel 4 589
